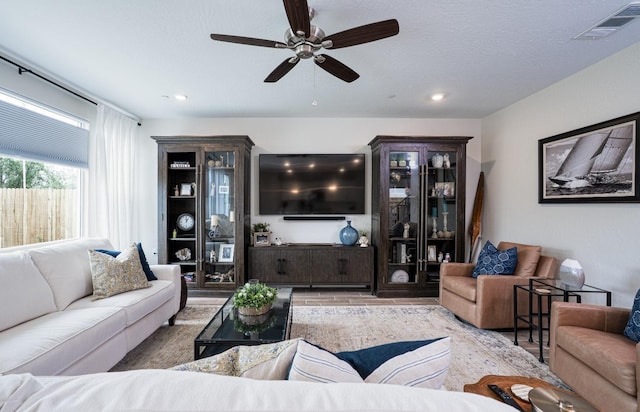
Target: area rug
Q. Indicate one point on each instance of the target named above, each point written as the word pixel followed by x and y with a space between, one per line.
pixel 475 352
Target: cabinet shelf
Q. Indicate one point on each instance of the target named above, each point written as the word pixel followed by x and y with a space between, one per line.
pixel 412 194
pixel 220 191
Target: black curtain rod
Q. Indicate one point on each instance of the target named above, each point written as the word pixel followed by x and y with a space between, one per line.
pixel 22 69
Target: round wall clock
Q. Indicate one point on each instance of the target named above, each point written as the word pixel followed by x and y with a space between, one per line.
pixel 186 222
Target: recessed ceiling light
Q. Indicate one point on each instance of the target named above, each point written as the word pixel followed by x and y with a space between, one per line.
pixel 180 97
pixel 436 97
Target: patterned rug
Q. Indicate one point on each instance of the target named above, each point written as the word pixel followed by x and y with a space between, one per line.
pixel 476 352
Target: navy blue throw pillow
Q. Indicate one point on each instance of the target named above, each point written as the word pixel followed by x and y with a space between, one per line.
pixel 632 330
pixel 367 360
pixel 492 261
pixel 143 260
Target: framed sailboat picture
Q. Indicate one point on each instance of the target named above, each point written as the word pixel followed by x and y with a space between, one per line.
pixel 597 164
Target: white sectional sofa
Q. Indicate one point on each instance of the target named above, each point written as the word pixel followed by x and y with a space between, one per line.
pixel 167 390
pixel 49 324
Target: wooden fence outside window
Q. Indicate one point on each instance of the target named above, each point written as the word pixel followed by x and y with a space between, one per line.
pixel 38 215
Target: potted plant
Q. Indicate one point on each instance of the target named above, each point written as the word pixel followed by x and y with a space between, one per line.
pixel 254 298
pixel 261 234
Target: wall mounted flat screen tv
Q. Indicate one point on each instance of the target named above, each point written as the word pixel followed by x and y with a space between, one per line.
pixel 311 184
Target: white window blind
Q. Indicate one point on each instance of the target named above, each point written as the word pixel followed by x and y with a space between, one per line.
pixel 27 133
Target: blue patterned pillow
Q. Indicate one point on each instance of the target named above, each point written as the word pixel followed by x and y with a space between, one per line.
pixel 632 331
pixel 492 261
pixel 143 260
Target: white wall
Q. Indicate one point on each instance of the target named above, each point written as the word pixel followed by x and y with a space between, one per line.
pixel 37 89
pixel 295 135
pixel 603 237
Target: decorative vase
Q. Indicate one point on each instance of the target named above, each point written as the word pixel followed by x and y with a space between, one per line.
pixel 571 273
pixel 437 160
pixel 253 320
pixel 348 235
pixel 251 311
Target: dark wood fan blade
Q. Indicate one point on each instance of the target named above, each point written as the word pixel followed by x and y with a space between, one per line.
pixel 298 15
pixel 364 34
pixel 336 68
pixel 284 68
pixel 248 40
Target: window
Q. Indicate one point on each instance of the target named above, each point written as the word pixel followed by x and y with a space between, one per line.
pixel 43 160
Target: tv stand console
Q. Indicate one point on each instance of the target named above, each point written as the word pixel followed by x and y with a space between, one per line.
pixel 312 265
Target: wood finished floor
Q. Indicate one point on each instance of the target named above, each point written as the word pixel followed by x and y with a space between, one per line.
pixel 330 297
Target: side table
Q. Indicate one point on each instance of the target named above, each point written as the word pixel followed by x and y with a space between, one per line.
pixel 549 288
pixel 505 382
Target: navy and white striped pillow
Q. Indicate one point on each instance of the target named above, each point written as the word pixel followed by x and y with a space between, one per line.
pixel 417 363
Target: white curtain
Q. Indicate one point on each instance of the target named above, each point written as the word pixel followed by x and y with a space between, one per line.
pixel 112 153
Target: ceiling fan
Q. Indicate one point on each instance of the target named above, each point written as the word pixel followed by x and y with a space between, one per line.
pixel 305 39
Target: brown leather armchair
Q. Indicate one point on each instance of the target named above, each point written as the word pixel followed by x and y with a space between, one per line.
pixel 589 352
pixel 487 301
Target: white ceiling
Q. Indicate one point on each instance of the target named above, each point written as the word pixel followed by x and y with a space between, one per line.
pixel 483 55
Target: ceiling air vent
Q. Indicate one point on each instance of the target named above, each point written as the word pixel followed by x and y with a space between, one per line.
pixel 612 23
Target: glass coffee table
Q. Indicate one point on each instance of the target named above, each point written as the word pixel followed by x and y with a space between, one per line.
pixel 226 329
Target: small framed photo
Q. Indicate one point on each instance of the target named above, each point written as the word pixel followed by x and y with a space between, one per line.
pixel 262 239
pixel 185 189
pixel 223 190
pixel 431 253
pixel 445 189
pixel 226 253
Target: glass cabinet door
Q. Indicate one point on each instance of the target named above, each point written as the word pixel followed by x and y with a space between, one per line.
pixel 404 209
pixel 441 209
pixel 219 218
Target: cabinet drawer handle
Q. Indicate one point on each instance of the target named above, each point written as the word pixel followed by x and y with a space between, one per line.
pixel 281 266
pixel 342 266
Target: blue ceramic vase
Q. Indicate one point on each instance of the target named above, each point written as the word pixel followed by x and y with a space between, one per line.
pixel 348 235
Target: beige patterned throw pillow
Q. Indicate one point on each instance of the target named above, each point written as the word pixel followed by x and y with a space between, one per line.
pixel 112 276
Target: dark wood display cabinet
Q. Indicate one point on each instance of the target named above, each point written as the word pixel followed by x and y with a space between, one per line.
pixel 313 265
pixel 417 210
pixel 204 207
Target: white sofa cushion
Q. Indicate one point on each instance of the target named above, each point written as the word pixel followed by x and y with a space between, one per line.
pixel 18 274
pixel 136 304
pixel 66 268
pixel 164 390
pixel 49 344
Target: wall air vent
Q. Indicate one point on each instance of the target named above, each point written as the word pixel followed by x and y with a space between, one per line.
pixel 612 23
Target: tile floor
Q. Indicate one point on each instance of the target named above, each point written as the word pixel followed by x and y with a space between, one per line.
pixel 359 297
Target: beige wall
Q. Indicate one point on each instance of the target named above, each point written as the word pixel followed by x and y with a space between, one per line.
pixel 603 237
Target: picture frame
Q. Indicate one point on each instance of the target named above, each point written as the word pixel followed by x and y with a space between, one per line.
pixel 261 239
pixel 432 255
pixel 185 189
pixel 593 164
pixel 445 189
pixel 225 253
